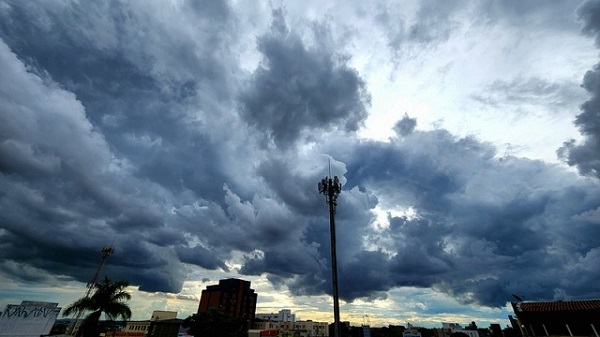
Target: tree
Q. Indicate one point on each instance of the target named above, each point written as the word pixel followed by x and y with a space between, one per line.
pixel 108 299
pixel 458 334
pixel 214 322
pixel 472 326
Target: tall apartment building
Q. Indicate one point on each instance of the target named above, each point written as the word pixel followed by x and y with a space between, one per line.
pixel 233 297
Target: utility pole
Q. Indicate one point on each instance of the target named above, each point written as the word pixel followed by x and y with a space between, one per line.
pixel 331 188
pixel 74 325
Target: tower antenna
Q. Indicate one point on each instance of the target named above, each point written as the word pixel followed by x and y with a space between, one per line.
pixel 331 188
pixel 106 252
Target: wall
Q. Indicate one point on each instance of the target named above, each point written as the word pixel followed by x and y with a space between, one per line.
pixel 30 319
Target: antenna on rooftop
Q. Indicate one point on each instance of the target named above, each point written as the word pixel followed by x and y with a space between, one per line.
pixel 74 325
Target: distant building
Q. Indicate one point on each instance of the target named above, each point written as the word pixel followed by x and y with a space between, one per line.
pixel 297 328
pixel 312 329
pixel 153 327
pixel 231 296
pixel 166 328
pixel 410 331
pixel 495 330
pixel 451 328
pixel 362 331
pixel 558 318
pixel 29 319
pixel 284 315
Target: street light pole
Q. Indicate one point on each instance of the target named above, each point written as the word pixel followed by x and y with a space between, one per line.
pixel 331 188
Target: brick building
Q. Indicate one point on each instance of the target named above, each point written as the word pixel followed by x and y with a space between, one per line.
pixel 231 296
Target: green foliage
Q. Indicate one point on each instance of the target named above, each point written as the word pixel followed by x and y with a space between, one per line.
pixel 214 322
pixel 108 299
pixel 426 332
pixel 389 331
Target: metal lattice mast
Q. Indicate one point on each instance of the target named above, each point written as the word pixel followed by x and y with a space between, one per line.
pixel 331 188
pixel 74 326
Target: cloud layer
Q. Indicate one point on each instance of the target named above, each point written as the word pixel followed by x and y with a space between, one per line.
pixel 185 144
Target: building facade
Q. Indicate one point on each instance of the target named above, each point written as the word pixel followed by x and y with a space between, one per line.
pixel 558 318
pixel 294 329
pixel 284 315
pixel 451 328
pixel 147 327
pixel 29 319
pixel 233 297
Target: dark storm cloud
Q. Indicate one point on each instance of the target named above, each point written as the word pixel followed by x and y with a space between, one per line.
pixel 485 226
pixel 405 126
pixel 589 13
pixel 117 126
pixel 586 155
pixel 299 87
pixel 99 133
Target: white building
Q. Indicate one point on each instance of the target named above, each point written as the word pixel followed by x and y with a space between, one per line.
pixel 286 323
pixel 450 328
pixel 284 315
pixel 29 319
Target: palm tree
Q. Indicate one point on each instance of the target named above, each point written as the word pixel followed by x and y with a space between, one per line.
pixel 108 299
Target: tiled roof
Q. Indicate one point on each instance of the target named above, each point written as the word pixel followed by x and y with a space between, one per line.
pixel 559 306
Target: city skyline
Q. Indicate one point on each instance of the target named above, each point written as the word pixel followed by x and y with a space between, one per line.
pixel 191 136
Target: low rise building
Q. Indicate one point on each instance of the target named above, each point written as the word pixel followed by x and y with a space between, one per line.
pixel 558 318
pixel 298 328
pixel 411 331
pixel 159 321
pixel 452 328
pixel 28 319
pixel 284 315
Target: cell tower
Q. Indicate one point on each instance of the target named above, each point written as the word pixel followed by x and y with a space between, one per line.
pixel 331 188
pixel 74 326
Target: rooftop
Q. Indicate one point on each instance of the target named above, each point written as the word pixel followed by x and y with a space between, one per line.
pixel 558 306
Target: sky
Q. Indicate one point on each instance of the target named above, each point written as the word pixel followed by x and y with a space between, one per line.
pixel 191 135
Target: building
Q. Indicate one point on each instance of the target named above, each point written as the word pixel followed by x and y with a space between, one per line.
pixel 285 323
pixel 29 319
pixel 166 328
pixel 232 296
pixel 313 329
pixel 361 331
pixel 451 328
pixel 410 331
pixel 284 315
pixel 153 327
pixel 366 330
pixel 558 318
pixel 297 328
